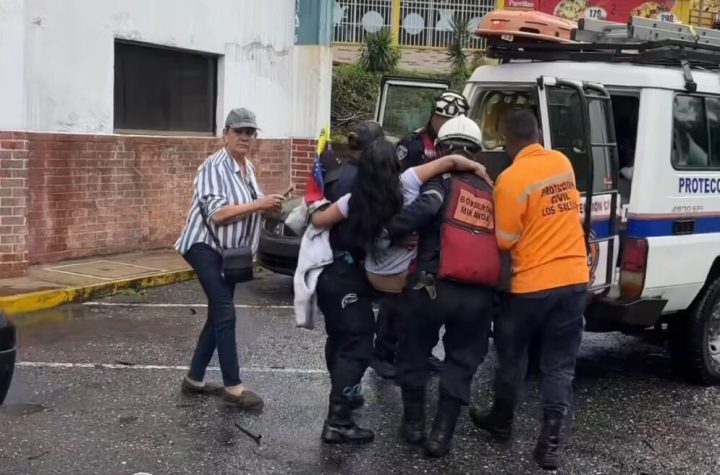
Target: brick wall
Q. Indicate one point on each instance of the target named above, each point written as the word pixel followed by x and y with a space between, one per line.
pixel 412 58
pixel 86 195
pixel 303 156
pixel 13 204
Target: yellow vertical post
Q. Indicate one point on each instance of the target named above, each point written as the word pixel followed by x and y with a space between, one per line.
pixel 395 21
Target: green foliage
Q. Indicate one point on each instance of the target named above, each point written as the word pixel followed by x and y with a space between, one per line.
pixel 457 52
pixel 378 54
pixel 354 93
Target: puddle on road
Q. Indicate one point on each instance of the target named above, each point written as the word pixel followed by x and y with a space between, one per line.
pixel 25 321
pixel 22 409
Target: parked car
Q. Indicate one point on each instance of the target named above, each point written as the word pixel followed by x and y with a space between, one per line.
pixel 279 245
pixel 7 354
pixel 403 105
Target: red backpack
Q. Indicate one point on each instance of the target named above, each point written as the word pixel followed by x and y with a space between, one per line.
pixel 468 249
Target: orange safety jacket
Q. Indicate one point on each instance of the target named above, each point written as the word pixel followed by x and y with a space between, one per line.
pixel 537 219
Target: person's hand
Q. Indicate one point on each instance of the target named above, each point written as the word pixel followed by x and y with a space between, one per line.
pixel 463 164
pixel 270 202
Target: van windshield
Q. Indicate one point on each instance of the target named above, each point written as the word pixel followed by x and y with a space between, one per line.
pixel 494 106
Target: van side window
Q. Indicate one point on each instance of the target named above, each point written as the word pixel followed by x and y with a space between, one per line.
pixel 696 132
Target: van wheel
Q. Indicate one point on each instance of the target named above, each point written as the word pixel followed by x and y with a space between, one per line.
pixel 694 341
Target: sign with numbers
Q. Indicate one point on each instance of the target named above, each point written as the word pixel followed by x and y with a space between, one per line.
pixel 612 10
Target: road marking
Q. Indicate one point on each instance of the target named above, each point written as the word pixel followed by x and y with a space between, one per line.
pixel 47 364
pixel 176 305
pixel 79 274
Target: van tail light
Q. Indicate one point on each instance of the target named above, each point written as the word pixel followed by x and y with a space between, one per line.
pixel 633 267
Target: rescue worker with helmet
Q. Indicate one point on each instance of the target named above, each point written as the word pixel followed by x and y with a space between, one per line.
pixel 458 266
pixel 537 216
pixel 414 149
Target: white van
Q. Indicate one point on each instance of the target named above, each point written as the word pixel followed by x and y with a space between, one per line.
pixel 643 134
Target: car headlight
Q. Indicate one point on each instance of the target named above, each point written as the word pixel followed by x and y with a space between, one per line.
pixel 275 227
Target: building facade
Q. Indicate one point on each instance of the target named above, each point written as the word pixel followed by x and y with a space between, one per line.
pixel 421 28
pixel 108 108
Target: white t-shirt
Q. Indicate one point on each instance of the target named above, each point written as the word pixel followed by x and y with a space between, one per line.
pixel 391 260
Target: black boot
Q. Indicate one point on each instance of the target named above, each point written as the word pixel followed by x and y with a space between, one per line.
pixel 413 424
pixel 547 450
pixel 498 422
pixel 438 444
pixel 339 427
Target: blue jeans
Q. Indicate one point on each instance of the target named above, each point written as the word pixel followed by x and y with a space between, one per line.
pixel 219 329
pixel 556 317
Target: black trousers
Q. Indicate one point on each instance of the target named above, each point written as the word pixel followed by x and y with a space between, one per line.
pixel 466 312
pixel 387 327
pixel 555 316
pixel 345 299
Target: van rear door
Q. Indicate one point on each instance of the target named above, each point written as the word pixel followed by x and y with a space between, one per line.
pixel 577 120
pixel 405 104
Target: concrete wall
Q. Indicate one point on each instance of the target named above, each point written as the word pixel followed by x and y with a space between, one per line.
pixel 70 188
pixel 67 60
pixel 12 59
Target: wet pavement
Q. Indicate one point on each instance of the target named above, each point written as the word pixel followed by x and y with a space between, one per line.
pixel 97 391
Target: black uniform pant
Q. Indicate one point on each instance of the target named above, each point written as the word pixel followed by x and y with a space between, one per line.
pixel 555 316
pixel 345 300
pixel 466 312
pixel 386 330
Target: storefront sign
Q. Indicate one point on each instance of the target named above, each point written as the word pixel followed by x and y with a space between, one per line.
pixel 519 4
pixel 612 10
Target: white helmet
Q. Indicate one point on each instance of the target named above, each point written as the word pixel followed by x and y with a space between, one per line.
pixel 451 104
pixel 460 132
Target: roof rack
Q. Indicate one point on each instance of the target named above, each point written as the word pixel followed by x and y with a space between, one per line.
pixel 642 29
pixel 641 41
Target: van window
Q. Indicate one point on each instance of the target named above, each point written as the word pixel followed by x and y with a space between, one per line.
pixel 569 136
pixel 696 132
pixel 494 106
pixel 626 111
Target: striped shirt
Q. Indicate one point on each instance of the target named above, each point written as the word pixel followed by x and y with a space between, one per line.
pixel 219 182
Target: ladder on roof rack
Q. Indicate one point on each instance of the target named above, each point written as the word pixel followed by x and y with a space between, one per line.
pixel 640 41
pixel 642 29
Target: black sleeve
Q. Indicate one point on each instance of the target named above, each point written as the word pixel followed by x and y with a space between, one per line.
pixel 344 182
pixel 421 211
pixel 410 151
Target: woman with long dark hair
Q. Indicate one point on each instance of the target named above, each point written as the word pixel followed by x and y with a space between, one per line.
pixel 377 193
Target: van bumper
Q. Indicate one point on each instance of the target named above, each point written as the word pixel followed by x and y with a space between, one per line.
pixel 610 314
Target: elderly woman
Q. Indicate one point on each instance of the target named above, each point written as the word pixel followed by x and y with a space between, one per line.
pixel 225 214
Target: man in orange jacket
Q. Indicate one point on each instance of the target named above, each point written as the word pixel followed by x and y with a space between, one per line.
pixel 537 216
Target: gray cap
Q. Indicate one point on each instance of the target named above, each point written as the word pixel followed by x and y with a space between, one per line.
pixel 240 118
